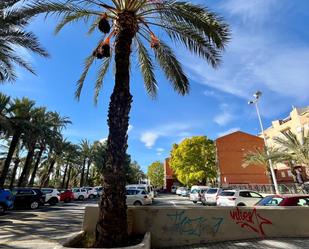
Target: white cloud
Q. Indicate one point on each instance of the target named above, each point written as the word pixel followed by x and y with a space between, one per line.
pixel 229 131
pixel 103 140
pixel 160 149
pixel 149 138
pixel 130 128
pixel 225 115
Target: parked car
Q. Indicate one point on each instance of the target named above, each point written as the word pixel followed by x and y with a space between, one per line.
pixel 238 198
pixel 51 195
pixel 138 197
pixel 28 198
pixel 185 192
pixel 209 197
pixel 66 195
pixel 6 200
pixel 80 193
pixel 173 189
pixel 146 187
pixel 179 190
pixel 92 192
pixel 196 193
pixel 99 190
pixel 284 200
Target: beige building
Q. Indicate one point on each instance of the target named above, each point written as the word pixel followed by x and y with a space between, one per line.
pixel 296 122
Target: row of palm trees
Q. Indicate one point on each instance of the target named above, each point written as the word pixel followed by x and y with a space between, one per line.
pixel 32 136
pixel 289 148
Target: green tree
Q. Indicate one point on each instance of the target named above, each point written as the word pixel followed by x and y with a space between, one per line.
pixel 12 33
pixel 134 173
pixel 133 24
pixel 156 174
pixel 193 160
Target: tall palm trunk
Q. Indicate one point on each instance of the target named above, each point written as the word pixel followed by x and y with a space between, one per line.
pixel 36 166
pixel 16 164
pixel 23 180
pixel 111 229
pixel 45 181
pixel 82 173
pixel 64 176
pixel 9 157
pixel 87 173
pixel 69 175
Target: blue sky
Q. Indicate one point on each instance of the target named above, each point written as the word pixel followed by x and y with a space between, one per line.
pixel 269 51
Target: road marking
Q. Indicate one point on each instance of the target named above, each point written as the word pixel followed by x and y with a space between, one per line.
pixel 173 203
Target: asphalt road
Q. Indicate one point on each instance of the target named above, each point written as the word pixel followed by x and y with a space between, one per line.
pixel 30 228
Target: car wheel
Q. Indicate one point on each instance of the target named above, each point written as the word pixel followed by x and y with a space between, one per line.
pixel 137 203
pixel 204 204
pixel 34 205
pixel 241 204
pixel 2 209
pixel 81 197
pixel 91 196
pixel 194 202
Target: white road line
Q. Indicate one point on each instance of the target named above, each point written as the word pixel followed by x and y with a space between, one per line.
pixel 173 203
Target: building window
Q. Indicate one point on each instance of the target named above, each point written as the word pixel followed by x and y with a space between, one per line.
pixel 282 174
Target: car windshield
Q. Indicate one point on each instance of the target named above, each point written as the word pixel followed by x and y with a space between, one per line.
pixel 195 191
pixel 212 191
pixel 270 201
pixel 227 193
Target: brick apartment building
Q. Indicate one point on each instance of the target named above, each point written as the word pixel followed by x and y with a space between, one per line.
pixel 231 150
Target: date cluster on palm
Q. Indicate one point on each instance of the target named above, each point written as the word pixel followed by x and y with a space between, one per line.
pixel 103 50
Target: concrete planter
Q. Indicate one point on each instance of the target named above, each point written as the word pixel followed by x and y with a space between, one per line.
pixel 78 237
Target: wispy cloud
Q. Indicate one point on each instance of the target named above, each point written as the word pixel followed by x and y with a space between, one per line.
pixel 160 151
pixel 229 131
pixel 150 137
pixel 225 116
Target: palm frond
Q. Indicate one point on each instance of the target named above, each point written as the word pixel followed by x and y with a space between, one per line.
pixel 80 83
pixel 101 73
pixel 172 68
pixel 147 69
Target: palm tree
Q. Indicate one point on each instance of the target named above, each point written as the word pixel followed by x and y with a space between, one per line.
pixel 13 34
pixel 85 150
pixel 296 149
pixel 21 111
pixel 129 25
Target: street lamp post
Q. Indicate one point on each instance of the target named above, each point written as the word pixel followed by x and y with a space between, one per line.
pixel 256 96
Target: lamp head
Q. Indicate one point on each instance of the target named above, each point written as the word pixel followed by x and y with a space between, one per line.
pixel 250 102
pixel 257 95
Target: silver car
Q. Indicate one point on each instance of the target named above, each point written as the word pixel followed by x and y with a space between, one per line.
pixel 138 197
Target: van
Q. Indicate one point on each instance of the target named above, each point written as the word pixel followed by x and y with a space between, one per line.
pixel 196 193
pixel 148 188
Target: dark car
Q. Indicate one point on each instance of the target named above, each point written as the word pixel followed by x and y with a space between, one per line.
pixel 28 198
pixel 66 195
pixel 6 200
pixel 284 200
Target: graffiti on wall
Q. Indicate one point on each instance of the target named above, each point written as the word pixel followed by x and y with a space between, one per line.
pixel 195 226
pixel 250 219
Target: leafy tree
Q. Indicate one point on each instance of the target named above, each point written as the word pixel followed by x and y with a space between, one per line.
pixel 12 33
pixel 193 160
pixel 156 174
pixel 134 173
pixel 133 21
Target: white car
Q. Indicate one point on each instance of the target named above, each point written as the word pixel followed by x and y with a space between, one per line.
pixel 92 192
pixel 210 196
pixel 52 196
pixel 99 190
pixel 238 198
pixel 196 193
pixel 148 188
pixel 80 193
pixel 138 197
pixel 179 190
pixel 173 189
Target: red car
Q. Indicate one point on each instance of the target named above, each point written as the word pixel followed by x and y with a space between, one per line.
pixel 66 195
pixel 284 200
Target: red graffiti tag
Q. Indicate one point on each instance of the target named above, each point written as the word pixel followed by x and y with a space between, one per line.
pixel 250 219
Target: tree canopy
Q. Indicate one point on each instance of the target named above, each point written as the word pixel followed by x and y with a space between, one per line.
pixel 156 174
pixel 193 160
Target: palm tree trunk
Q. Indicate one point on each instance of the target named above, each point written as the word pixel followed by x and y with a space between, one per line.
pixel 16 163
pixel 87 173
pixel 69 175
pixel 45 181
pixel 82 173
pixel 36 166
pixel 111 229
pixel 64 176
pixel 23 180
pixel 9 157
